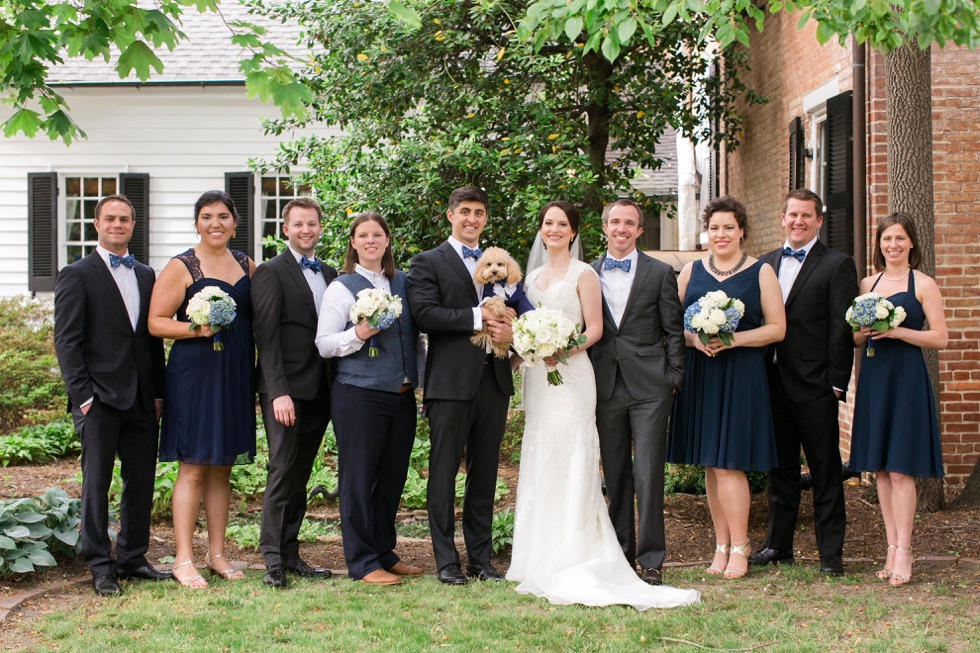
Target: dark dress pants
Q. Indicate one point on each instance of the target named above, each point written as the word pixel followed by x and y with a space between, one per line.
pixel 292 452
pixel 375 433
pixel 132 435
pixel 475 426
pixel 814 426
pixel 633 445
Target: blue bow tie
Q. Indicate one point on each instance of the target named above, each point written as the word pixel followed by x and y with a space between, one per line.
pixel 798 254
pixel 308 264
pixel 128 261
pixel 476 252
pixel 612 264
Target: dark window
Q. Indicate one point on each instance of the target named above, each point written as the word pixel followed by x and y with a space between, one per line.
pixel 42 231
pixel 838 221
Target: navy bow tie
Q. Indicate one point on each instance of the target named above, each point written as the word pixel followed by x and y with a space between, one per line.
pixel 798 254
pixel 612 264
pixel 309 264
pixel 128 261
pixel 476 252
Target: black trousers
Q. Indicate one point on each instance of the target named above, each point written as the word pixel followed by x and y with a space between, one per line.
pixel 633 446
pixel 375 433
pixel 475 427
pixel 812 425
pixel 132 435
pixel 292 451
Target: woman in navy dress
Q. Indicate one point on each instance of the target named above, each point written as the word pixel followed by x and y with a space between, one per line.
pixel 896 432
pixel 721 418
pixel 372 403
pixel 209 408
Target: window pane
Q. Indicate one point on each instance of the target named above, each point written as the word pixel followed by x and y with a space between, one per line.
pixel 89 209
pixel 268 252
pixel 88 249
pixel 285 190
pixel 74 231
pixel 268 185
pixel 270 209
pixel 73 186
pixel 108 186
pixel 74 253
pixel 305 190
pixel 90 232
pixel 269 228
pixel 91 187
pixel 72 209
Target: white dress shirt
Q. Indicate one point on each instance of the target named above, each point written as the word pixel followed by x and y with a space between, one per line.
pixel 789 268
pixel 332 340
pixel 470 264
pixel 317 283
pixel 617 284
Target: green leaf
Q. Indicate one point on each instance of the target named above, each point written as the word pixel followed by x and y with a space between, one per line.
pixel 406 14
pixel 7 543
pixel 610 48
pixel 20 565
pixel 139 57
pixel 931 7
pixel 626 30
pixel 29 517
pixel 291 98
pixel 573 27
pixel 67 535
pixel 42 558
pixel 18 531
pixel 25 121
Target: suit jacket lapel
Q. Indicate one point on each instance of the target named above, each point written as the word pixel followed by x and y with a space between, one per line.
pixel 297 274
pixel 606 313
pixel 145 284
pixel 642 269
pixel 102 272
pixel 456 263
pixel 809 263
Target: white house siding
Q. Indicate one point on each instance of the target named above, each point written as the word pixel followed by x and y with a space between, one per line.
pixel 185 137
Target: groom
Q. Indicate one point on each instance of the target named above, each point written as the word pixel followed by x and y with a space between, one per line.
pixel 467 389
pixel 639 363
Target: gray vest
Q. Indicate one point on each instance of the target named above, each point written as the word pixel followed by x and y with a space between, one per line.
pixel 396 345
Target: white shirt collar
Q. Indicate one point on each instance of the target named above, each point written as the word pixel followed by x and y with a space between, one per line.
pixel 297 255
pixel 633 256
pixel 368 274
pixel 104 253
pixel 806 248
pixel 458 246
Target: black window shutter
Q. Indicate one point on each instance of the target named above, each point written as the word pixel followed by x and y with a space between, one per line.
pixel 838 221
pixel 241 187
pixel 42 230
pixel 135 186
pixel 797 155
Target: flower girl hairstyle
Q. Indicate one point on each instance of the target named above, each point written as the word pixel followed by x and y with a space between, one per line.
pixel 903 219
pixel 350 258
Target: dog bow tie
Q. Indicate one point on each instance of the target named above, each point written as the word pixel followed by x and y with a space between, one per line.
pixel 128 261
pixel 476 252
pixel 309 264
pixel 612 264
pixel 798 254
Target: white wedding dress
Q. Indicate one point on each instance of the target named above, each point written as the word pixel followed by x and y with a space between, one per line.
pixel 565 548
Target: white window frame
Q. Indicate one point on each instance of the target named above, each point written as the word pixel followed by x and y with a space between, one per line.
pixel 63 208
pixel 259 219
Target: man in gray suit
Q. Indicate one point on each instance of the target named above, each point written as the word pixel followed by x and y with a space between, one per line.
pixel 639 364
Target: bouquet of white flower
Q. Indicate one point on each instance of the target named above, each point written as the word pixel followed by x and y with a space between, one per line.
pixel 546 332
pixel 715 314
pixel 379 309
pixel 875 312
pixel 214 307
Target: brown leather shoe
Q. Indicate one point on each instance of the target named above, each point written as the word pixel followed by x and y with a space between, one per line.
pixel 652 576
pixel 381 577
pixel 403 569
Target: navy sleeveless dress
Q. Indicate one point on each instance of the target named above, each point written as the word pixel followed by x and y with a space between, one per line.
pixel 209 412
pixel 721 415
pixel 895 428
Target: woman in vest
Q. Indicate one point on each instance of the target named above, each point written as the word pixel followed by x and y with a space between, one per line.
pixel 372 403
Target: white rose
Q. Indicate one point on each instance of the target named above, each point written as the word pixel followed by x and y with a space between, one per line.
pixel 547 334
pixel 899 317
pixel 718 317
pixel 849 315
pixel 881 312
pixel 710 328
pixel 739 305
pixel 546 349
pixel 697 321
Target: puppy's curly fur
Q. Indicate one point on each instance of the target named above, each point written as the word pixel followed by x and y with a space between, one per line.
pixel 496 265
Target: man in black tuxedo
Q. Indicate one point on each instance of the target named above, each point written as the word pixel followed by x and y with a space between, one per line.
pixel 639 364
pixel 467 389
pixel 293 384
pixel 808 374
pixel 114 373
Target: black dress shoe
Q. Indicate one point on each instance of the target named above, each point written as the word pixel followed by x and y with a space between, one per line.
pixel 300 568
pixel 105 585
pixel 483 571
pixel 143 572
pixel 652 576
pixel 831 565
pixel 766 555
pixel 274 576
pixel 451 574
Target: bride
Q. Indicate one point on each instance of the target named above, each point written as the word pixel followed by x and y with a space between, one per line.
pixel 565 548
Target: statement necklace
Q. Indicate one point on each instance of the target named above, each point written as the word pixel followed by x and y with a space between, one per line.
pixel 726 273
pixel 899 278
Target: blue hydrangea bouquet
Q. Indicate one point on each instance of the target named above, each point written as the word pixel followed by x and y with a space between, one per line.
pixel 379 309
pixel 714 315
pixel 875 312
pixel 214 307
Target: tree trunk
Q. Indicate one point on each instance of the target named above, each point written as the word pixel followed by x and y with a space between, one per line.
pixel 970 496
pixel 908 101
pixel 600 73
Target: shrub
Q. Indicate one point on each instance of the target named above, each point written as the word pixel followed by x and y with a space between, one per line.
pixel 30 527
pixel 35 444
pixel 502 530
pixel 689 479
pixel 31 389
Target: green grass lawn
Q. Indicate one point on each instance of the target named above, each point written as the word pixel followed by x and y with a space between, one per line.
pixel 790 610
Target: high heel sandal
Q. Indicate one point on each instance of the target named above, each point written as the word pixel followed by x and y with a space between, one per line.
pixel 186 582
pixel 740 550
pixel 885 573
pixel 227 574
pixel 719 548
pixel 897 580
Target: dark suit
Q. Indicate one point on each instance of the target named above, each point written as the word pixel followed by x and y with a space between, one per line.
pixel 638 366
pixel 284 321
pixel 467 394
pixel 102 357
pixel 815 357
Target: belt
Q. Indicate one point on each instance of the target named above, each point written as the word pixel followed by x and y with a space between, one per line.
pixel 405 388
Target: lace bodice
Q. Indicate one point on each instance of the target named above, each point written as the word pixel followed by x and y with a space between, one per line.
pixel 562 295
pixel 193 264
